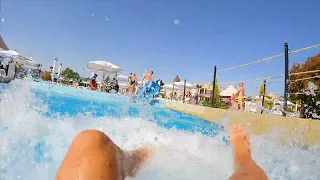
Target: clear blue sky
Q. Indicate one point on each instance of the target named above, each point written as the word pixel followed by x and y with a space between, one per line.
pixel 141 34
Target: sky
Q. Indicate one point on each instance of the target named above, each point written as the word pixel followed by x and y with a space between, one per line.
pixel 187 37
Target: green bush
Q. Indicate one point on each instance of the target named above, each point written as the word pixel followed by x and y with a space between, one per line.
pixel 291 109
pixel 218 104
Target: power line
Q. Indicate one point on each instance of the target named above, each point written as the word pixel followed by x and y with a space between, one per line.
pixel 274 82
pixel 303 49
pixel 269 58
pixel 276 77
pixel 252 80
pixel 254 62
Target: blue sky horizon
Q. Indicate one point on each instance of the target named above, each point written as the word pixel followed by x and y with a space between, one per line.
pixel 186 38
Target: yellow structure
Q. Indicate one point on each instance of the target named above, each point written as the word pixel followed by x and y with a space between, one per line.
pixel 294 131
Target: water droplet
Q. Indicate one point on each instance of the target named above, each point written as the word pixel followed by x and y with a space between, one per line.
pixel 176 22
pixel 2 19
pixel 92 14
pixel 106 18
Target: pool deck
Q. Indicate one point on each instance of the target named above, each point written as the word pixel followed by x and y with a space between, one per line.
pixel 294 131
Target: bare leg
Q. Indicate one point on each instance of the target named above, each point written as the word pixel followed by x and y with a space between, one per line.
pixel 130 92
pixel 241 107
pixel 244 166
pixel 93 155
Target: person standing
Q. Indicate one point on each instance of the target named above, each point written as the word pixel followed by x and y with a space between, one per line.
pixel 132 84
pixel 240 94
pixel 233 102
pixel 93 84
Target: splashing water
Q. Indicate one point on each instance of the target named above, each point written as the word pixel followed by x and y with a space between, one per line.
pixel 38 122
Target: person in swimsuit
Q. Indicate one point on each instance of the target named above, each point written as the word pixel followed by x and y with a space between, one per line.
pixel 93 155
pixel 93 84
pixel 147 78
pixel 132 84
pixel 146 82
pixel 240 94
pixel 233 102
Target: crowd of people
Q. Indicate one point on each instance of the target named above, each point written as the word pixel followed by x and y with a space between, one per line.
pixel 132 82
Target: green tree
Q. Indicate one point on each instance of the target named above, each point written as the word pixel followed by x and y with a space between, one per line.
pixel 297 86
pixel 69 74
pixel 217 99
pixel 106 80
pixel 217 92
pixel 46 76
pixel 281 98
pixel 261 92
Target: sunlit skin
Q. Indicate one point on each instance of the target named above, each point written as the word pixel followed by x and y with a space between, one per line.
pixel 93 155
pixel 132 86
pixel 147 77
pixel 240 94
pixel 245 168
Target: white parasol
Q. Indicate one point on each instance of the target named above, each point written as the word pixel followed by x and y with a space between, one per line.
pixel 181 84
pixel 170 86
pixel 122 78
pixel 123 85
pixel 18 58
pixel 9 53
pixel 102 66
pixel 26 61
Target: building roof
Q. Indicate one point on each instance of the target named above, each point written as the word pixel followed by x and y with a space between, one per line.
pixel 229 91
pixel 176 79
pixel 3 45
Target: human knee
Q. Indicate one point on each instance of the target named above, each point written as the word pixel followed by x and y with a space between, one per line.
pixel 91 137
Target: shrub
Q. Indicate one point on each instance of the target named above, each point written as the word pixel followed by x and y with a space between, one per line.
pixel 46 76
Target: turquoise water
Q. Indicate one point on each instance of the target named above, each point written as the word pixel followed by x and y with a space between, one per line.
pixel 38 122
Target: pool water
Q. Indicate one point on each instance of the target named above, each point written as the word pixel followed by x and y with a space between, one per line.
pixel 38 122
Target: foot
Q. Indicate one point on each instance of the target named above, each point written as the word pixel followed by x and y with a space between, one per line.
pixel 244 166
pixel 240 143
pixel 137 158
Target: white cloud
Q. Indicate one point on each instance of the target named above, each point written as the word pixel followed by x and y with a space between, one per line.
pixel 176 22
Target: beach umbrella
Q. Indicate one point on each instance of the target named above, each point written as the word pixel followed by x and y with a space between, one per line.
pixel 28 62
pixel 181 84
pixel 18 58
pixel 123 85
pixel 169 86
pixel 122 78
pixel 9 53
pixel 102 66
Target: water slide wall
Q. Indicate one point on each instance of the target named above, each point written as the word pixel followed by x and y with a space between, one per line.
pixel 291 131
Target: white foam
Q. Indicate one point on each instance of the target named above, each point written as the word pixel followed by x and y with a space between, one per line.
pixel 179 155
